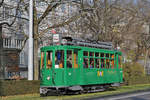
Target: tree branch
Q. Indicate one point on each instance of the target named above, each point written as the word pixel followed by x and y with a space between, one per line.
pixel 72 19
pixel 48 9
pixel 27 19
pixel 24 43
pixel 10 24
pixel 1 3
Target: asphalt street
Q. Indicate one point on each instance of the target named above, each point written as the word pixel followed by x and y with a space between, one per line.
pixel 132 96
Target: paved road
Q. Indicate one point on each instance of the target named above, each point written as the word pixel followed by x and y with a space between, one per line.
pixel 133 96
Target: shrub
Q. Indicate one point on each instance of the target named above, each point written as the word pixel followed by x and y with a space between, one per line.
pixel 15 87
pixel 133 73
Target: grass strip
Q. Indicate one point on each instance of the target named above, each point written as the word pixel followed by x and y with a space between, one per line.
pixel 114 91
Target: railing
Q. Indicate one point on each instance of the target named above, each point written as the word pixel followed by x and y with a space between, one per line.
pixel 12 43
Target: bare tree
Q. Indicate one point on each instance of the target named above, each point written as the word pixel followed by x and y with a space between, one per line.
pixel 40 18
pixel 119 21
pixel 39 32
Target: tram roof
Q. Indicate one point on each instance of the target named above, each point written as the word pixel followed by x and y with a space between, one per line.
pixel 58 47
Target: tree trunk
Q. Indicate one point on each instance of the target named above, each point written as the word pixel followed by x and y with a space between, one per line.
pixel 36 60
pixel 36 47
pixel 145 61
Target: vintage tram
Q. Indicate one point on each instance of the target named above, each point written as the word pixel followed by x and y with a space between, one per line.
pixel 76 66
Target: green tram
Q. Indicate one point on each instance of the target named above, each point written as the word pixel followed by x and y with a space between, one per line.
pixel 71 68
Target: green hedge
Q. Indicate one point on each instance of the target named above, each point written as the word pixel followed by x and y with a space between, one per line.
pixel 15 87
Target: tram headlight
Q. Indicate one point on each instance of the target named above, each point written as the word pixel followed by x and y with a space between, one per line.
pixel 48 78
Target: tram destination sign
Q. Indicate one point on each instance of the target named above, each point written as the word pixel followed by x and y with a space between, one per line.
pixel 56 39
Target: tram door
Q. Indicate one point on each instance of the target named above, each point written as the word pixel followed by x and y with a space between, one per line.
pixel 72 66
pixel 58 72
pixel 46 67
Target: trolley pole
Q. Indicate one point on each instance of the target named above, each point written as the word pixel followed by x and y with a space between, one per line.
pixel 30 42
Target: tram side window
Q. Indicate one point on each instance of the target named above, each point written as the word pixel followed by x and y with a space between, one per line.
pixel 102 60
pixel 92 54
pixel 91 59
pixel 102 54
pixel 91 62
pixel 107 61
pixel 75 59
pixel 97 60
pixel 85 62
pixel 112 61
pixel 59 59
pixel 119 60
pixel 85 59
pixel 85 53
pixel 69 58
pixel 42 60
pixel 49 59
pixel 102 63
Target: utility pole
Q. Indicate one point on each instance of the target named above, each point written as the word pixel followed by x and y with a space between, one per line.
pixel 1 55
pixel 30 42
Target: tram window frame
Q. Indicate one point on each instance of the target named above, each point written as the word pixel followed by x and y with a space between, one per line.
pixel 112 60
pixel 85 53
pixel 102 60
pixel 69 61
pixel 97 60
pixel 107 56
pixel 91 59
pixel 42 60
pixel 49 58
pixel 75 59
pixel 86 59
pixel 85 62
pixel 102 63
pixel 97 63
pixel 59 61
pixel 91 54
pixel 102 55
pixel 115 60
pixel 92 65
pixel 119 61
pixel 97 54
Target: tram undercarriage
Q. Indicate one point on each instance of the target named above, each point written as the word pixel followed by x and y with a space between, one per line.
pixel 47 91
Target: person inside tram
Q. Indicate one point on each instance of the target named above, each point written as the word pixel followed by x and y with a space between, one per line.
pixel 112 61
pixel 69 59
pixel 102 63
pixel 97 63
pixel 49 63
pixel 69 64
pixel 92 64
pixel 56 63
pixel 61 64
pixel 85 63
pixel 107 63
